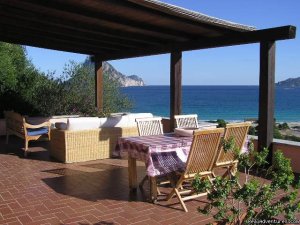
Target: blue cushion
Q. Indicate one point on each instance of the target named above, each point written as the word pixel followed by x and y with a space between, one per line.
pixel 37 131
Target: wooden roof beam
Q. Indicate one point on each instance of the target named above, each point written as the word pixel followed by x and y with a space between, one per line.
pixel 102 21
pixel 73 22
pixel 24 23
pixel 20 29
pixel 271 34
pixel 49 43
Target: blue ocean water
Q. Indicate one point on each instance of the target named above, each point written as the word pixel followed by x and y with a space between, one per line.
pixel 215 102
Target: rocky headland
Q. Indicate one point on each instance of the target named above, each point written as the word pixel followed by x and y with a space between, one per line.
pixel 289 83
pixel 123 80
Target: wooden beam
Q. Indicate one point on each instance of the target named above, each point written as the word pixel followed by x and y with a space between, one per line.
pixel 28 24
pixel 53 10
pixel 41 43
pixel 38 21
pixel 175 86
pixel 238 38
pixel 266 96
pixel 150 21
pixel 98 83
pixel 69 20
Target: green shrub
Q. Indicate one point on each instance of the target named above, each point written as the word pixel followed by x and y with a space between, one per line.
pixel 26 90
pixel 221 123
pixel 255 199
pixel 283 126
pixel 252 131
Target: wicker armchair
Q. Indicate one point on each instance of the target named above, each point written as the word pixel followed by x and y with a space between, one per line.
pixel 186 121
pixel 227 160
pixel 17 125
pixel 204 149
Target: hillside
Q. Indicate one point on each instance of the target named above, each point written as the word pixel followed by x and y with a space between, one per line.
pixel 123 80
pixel 289 83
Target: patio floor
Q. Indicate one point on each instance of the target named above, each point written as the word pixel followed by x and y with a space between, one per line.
pixel 39 190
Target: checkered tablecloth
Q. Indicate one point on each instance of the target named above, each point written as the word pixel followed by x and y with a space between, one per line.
pixel 161 153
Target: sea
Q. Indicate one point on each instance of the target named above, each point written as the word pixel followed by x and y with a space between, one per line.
pixel 231 103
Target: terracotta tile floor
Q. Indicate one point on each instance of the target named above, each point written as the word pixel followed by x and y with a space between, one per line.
pixel 39 190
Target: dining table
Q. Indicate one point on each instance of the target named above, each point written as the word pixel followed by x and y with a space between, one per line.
pixel 162 155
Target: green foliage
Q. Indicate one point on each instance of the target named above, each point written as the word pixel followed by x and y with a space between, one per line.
pixel 291 138
pixel 283 126
pixel 281 172
pixel 252 131
pixel 28 91
pixel 13 63
pixel 259 200
pixel 276 133
pixel 221 123
pixel 229 144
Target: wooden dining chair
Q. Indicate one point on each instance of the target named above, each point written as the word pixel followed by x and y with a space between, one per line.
pixel 190 121
pixel 146 127
pixel 149 126
pixel 238 131
pixel 202 155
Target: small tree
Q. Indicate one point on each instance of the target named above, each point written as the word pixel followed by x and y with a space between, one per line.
pixel 230 202
pixel 28 91
pixel 221 123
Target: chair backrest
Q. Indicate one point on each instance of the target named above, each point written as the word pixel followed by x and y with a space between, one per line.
pixel 14 121
pixel 239 132
pixel 204 150
pixel 186 121
pixel 149 126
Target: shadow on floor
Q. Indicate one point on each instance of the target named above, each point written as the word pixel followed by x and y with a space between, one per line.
pixel 109 182
pixel 38 150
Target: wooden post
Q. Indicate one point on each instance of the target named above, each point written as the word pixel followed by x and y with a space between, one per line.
pixel 175 86
pixel 266 96
pixel 98 84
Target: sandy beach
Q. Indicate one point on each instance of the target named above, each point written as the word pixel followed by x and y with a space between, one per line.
pixel 294 129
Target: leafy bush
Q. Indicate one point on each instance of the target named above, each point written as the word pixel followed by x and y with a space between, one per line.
pixel 283 126
pixel 252 131
pixel 276 133
pixel 255 199
pixel 221 123
pixel 28 91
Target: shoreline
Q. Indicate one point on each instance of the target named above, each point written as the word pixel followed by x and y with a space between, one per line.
pixel 294 127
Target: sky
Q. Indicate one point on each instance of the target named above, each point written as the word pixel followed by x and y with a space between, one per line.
pixel 237 65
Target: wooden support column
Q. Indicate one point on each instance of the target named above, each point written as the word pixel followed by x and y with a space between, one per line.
pixel 266 96
pixel 175 86
pixel 98 84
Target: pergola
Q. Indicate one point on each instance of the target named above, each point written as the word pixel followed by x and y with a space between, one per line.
pixel 118 29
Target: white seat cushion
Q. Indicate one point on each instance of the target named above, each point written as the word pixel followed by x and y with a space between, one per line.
pixel 83 123
pixel 116 121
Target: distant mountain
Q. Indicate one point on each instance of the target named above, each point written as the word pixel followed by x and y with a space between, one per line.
pixel 289 83
pixel 123 80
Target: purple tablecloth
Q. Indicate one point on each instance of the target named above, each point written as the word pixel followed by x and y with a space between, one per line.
pixel 161 153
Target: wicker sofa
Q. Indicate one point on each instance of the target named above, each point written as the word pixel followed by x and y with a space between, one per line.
pixel 85 139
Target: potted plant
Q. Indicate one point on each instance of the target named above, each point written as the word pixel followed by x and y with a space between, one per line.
pixel 259 200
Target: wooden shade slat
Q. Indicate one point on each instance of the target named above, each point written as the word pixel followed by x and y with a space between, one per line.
pixel 24 24
pixel 128 12
pixel 123 28
pixel 101 23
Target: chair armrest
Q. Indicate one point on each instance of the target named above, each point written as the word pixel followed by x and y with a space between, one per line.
pixel 45 124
